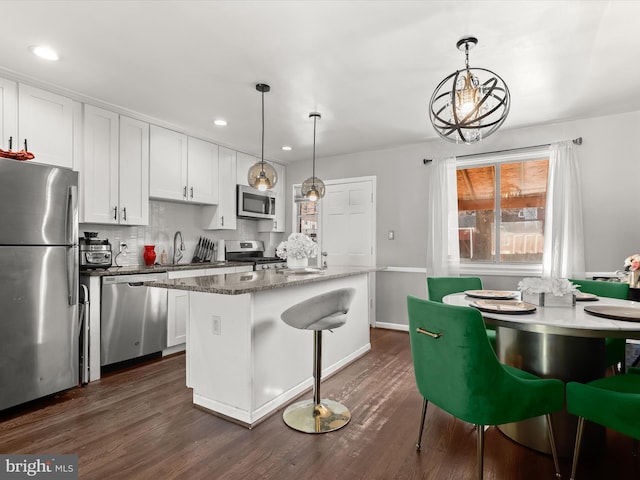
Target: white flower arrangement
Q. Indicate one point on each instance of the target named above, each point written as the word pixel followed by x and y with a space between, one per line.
pixel 556 286
pixel 298 245
pixel 632 263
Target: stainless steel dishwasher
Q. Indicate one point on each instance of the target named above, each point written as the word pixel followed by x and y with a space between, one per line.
pixel 133 317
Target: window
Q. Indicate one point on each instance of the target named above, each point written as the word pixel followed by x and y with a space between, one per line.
pixel 508 227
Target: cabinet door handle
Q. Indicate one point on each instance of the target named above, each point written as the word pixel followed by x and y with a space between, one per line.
pixel 184 191
pixel 10 143
pixel 191 192
pixel 25 145
pixel 115 213
pixel 222 221
pixel 124 213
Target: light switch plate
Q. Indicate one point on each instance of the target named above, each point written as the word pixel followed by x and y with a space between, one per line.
pixel 216 325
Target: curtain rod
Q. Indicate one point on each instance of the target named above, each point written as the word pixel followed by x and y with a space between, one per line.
pixel 576 141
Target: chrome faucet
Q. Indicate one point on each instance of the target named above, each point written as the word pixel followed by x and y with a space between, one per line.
pixel 177 251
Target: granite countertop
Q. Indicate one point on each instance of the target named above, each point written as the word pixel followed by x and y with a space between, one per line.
pixel 251 282
pixel 135 269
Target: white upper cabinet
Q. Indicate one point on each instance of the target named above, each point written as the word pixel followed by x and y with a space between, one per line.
pixel 244 163
pixel 134 172
pixel 202 171
pixel 168 164
pixel 223 216
pixel 115 171
pixel 9 114
pixel 45 121
pixel 99 172
pixel 182 168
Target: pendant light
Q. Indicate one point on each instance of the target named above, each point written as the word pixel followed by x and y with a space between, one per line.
pixel 469 104
pixel 313 188
pixel 262 175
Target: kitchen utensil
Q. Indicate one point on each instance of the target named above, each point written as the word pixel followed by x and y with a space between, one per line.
pixel 207 246
pixel 211 250
pixel 196 252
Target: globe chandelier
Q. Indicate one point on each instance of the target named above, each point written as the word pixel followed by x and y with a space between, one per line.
pixel 313 188
pixel 262 175
pixel 469 104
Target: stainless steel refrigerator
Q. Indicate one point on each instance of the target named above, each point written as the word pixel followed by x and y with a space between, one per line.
pixel 38 281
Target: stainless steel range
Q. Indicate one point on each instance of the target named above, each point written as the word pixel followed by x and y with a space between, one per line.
pixel 252 251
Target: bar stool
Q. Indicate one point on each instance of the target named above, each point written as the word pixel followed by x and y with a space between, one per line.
pixel 322 312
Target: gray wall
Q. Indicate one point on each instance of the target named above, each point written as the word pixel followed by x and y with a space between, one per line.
pixel 610 189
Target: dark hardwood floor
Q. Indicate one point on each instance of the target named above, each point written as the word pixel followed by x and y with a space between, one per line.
pixel 141 424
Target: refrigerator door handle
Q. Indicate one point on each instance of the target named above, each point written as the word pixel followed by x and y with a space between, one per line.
pixel 72 216
pixel 72 241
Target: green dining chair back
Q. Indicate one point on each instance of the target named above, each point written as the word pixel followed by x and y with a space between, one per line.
pixel 620 394
pixel 439 287
pixel 457 370
pixel 615 348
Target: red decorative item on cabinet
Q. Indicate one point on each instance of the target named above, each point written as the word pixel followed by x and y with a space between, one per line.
pixel 149 254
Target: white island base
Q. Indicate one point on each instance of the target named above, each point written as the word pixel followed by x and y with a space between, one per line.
pixel 244 362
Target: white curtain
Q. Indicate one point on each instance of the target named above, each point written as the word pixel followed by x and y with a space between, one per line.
pixel 443 256
pixel 563 255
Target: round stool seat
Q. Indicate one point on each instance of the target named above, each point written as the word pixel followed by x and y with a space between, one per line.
pixel 322 312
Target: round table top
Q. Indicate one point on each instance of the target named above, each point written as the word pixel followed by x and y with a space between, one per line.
pixel 571 321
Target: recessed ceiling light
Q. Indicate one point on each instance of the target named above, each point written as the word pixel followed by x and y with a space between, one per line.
pixel 287 148
pixel 45 52
pixel 220 122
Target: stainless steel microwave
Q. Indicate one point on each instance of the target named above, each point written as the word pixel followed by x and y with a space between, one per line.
pixel 253 203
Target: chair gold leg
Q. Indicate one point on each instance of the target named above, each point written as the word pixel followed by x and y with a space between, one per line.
pixel 576 450
pixel 480 451
pixel 552 441
pixel 424 414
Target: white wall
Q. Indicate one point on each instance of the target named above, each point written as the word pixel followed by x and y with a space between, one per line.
pixel 610 190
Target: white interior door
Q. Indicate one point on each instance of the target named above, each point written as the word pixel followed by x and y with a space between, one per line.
pixel 347 228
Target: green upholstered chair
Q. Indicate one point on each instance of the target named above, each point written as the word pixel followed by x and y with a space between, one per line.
pixel 615 348
pixel 456 370
pixel 620 394
pixel 439 287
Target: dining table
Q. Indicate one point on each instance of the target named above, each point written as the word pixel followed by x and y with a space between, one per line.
pixel 563 342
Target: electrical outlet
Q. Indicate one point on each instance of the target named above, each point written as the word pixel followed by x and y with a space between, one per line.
pixel 123 248
pixel 216 325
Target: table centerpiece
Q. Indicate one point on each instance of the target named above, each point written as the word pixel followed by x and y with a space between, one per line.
pixel 548 292
pixel 297 250
pixel 632 267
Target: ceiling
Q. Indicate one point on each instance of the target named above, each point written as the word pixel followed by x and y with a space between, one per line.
pixel 369 67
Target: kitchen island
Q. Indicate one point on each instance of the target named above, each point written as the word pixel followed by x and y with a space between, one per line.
pixel 243 362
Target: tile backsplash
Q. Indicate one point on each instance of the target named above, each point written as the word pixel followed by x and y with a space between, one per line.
pixel 165 219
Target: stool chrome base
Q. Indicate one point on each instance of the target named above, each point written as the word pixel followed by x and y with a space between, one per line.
pixel 306 416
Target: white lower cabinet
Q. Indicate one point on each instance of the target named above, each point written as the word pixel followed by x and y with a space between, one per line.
pixel 178 302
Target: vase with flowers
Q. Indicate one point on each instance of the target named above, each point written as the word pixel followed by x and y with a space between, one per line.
pixel 632 266
pixel 297 249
